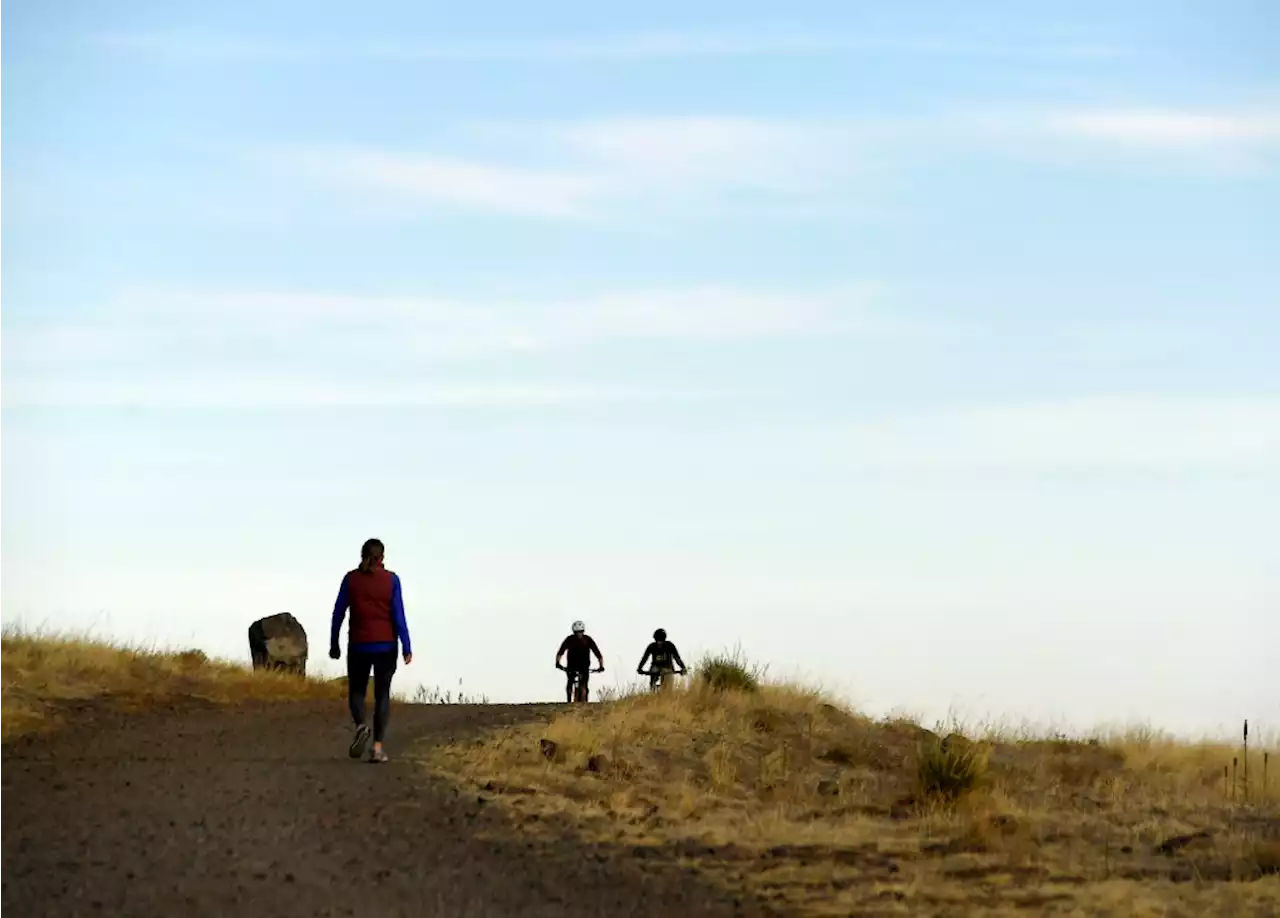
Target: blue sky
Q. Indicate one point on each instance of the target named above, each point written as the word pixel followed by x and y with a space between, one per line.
pixel 925 353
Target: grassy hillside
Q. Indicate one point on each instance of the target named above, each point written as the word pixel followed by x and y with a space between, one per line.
pixel 42 673
pixel 803 802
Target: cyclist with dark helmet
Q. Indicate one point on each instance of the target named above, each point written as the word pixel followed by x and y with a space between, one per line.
pixel 578 647
pixel 664 656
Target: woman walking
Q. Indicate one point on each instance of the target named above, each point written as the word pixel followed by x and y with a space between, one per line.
pixel 377 623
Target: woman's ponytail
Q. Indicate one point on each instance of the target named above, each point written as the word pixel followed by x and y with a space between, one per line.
pixel 370 554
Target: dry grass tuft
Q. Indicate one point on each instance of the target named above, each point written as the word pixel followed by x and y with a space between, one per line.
pixel 729 671
pixel 43 673
pixel 820 810
pixel 948 769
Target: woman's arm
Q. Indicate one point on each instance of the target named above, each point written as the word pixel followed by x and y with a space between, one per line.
pixel 339 613
pixel 397 616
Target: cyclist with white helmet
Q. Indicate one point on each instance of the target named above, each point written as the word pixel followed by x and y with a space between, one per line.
pixel 578 646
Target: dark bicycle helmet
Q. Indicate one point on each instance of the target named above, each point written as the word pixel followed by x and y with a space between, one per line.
pixel 660 634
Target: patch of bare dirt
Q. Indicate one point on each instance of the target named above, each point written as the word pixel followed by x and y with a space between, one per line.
pixel 256 809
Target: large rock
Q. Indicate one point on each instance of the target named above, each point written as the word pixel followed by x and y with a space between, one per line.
pixel 279 642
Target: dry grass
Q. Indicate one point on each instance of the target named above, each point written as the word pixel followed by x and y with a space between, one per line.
pixel 730 671
pixel 813 807
pixel 43 673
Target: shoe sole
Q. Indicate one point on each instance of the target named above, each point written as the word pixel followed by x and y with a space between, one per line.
pixel 359 744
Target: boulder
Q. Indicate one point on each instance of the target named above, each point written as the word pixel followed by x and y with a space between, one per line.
pixel 279 642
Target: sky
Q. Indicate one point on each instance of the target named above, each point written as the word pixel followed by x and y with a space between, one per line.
pixel 925 352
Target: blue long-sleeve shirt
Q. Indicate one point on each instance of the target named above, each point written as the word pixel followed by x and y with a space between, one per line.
pixel 343 602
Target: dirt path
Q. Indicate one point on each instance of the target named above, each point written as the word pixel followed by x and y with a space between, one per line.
pixel 259 811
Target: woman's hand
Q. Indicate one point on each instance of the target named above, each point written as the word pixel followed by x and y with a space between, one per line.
pixel 408 658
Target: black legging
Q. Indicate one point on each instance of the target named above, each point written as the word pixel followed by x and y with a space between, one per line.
pixel 383 665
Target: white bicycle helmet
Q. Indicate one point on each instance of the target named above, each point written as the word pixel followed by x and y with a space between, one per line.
pixel 578 627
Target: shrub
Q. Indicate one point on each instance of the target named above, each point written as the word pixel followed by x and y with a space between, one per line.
pixel 949 769
pixel 729 671
pixel 193 658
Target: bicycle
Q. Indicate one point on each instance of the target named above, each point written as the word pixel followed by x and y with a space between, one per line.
pixel 580 690
pixel 660 679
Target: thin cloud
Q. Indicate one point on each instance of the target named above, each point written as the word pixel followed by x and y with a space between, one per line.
pixel 623 167
pixel 222 390
pixel 702 312
pixel 759 41
pixel 182 346
pixel 1225 141
pixel 1098 433
pixel 587 169
pixel 763 154
pixel 1171 127
pixel 483 186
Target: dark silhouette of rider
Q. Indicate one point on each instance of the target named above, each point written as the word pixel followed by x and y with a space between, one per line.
pixel 578 646
pixel 665 658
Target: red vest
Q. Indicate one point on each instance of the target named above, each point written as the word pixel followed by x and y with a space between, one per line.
pixel 369 595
